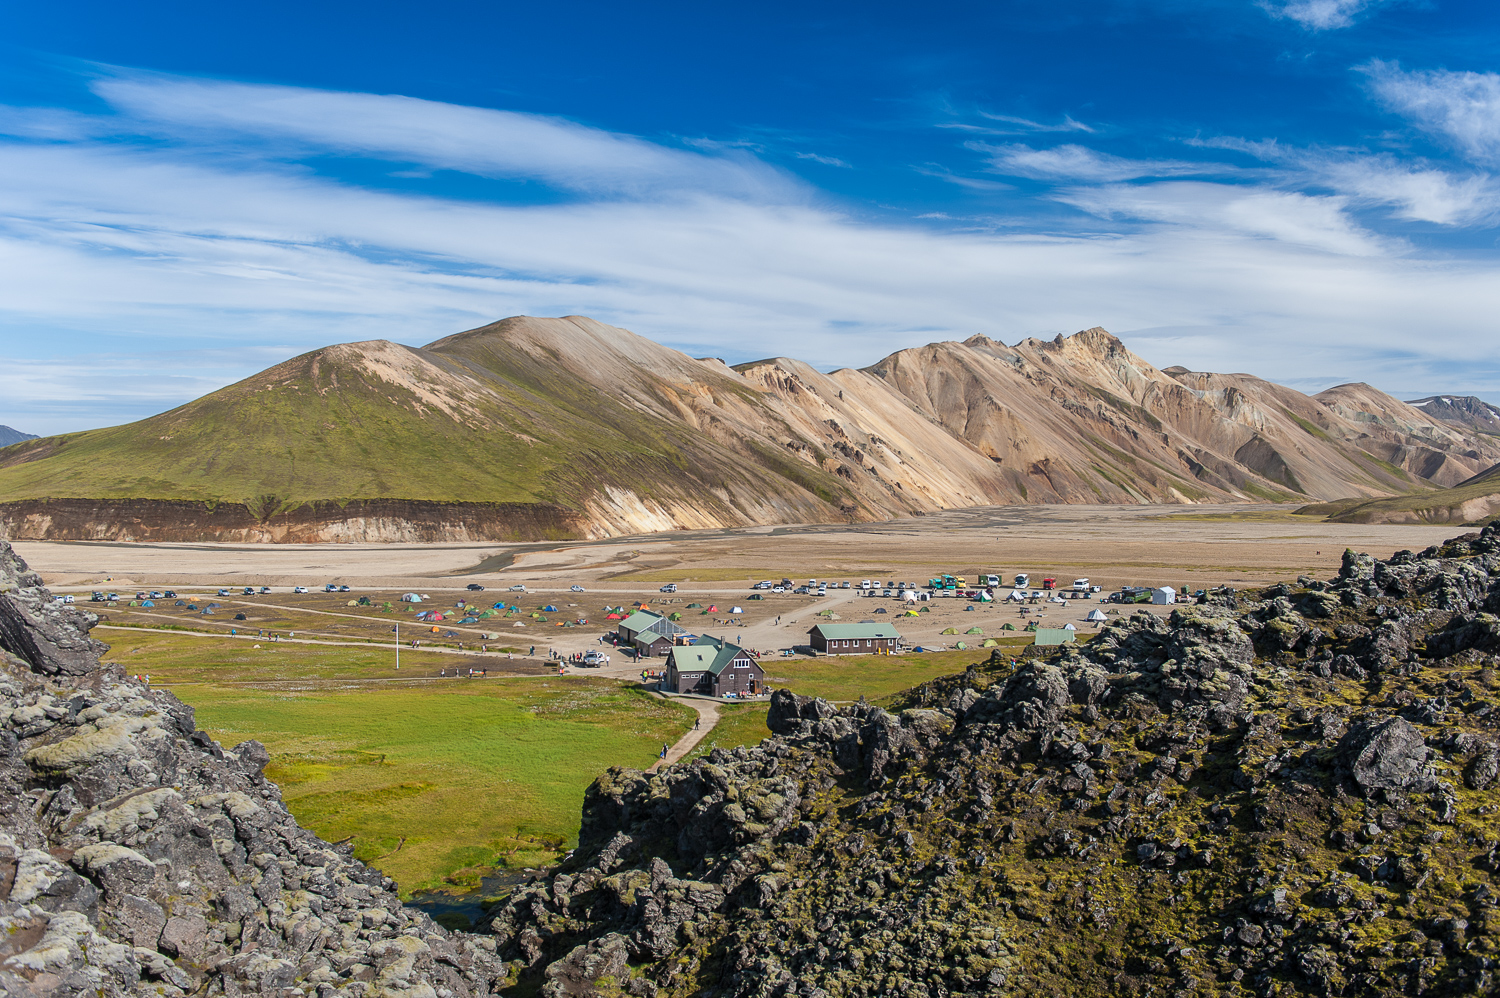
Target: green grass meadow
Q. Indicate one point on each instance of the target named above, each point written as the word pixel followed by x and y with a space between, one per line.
pixel 439 780
pixel 470 775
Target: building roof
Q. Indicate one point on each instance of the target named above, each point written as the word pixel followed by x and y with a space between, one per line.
pixel 643 621
pixel 1053 636
pixel 707 654
pixel 855 632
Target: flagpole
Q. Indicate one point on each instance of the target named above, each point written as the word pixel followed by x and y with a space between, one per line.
pixel 398 646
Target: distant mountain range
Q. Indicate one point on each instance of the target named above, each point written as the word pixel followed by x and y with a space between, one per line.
pixel 10 436
pixel 1465 410
pixel 534 428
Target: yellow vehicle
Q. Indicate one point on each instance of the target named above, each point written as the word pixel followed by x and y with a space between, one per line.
pixel 960 582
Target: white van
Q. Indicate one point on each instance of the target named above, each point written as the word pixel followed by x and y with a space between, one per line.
pixel 865 584
pixel 63 599
pixel 1081 585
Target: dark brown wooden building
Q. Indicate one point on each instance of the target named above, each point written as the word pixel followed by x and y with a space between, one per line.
pixel 713 667
pixel 854 639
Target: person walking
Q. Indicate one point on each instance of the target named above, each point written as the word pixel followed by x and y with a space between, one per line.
pixel 663 744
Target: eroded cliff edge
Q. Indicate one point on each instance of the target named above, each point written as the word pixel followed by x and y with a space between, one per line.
pixel 138 857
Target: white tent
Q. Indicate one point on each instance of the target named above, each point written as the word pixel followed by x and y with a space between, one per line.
pixel 1097 614
pixel 410 598
pixel 909 596
pixel 1017 595
pixel 1164 596
pixel 736 609
pixel 1069 627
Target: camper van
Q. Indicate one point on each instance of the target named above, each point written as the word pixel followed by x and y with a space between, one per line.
pixel 1022 580
pixel 990 581
pixel 1080 585
pixel 865 584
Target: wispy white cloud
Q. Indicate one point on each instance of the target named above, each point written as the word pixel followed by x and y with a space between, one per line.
pixel 1319 223
pixel 1462 107
pixel 1321 15
pixel 1416 190
pixel 480 141
pixel 817 158
pixel 1067 124
pixel 210 235
pixel 1075 162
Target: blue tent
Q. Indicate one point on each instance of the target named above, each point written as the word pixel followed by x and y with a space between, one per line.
pixel 549 608
pixel 146 602
pixel 469 620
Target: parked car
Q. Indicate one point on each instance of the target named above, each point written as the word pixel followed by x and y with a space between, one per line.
pixel 265 590
pixel 249 591
pixel 343 589
pixel 518 589
pixel 223 592
pixel 593 659
pixel 843 585
pixel 154 595
pixel 299 589
pixel 778 589
pixel 169 594
pixel 96 598
pixel 670 587
pixel 66 598
pixel 575 588
pixel 801 591
pixel 329 587
pixel 474 587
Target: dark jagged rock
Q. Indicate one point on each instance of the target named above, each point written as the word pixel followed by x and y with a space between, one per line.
pixel 138 857
pixel 1286 792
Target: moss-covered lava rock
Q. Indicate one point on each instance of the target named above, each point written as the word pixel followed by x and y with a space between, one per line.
pixel 1286 792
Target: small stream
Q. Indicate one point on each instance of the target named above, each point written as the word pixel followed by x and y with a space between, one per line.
pixel 445 906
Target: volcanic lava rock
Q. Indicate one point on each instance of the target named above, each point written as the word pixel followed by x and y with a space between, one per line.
pixel 1290 792
pixel 138 857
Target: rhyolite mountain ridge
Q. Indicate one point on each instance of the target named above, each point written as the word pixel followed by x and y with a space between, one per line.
pixel 534 428
pixel 1465 410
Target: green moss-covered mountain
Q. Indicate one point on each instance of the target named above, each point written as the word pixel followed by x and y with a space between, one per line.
pixel 1287 792
pixel 567 427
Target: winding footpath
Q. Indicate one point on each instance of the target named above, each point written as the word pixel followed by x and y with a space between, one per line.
pixel 708 717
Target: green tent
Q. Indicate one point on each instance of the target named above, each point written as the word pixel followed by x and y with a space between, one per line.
pixel 975 630
pixel 924 609
pixel 674 616
pixel 695 606
pixel 950 630
pixel 990 643
pixel 1007 627
pixel 960 646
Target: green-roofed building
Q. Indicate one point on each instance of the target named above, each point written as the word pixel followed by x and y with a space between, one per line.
pixel 650 633
pixel 713 667
pixel 1050 636
pixel 854 639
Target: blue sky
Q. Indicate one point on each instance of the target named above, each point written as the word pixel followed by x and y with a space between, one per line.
pixel 1301 189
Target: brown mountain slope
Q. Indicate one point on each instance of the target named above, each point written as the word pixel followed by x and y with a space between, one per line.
pixel 569 427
